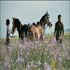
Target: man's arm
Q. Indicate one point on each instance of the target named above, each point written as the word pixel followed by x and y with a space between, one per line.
pixel 63 28
pixel 55 29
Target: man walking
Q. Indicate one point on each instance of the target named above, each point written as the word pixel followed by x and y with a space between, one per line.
pixel 59 30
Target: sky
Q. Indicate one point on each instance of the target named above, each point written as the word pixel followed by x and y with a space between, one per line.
pixel 32 11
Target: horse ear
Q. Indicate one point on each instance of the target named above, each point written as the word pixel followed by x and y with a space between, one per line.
pixel 13 17
pixel 46 12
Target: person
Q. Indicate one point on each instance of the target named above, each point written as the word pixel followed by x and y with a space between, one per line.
pixel 59 29
pixel 7 33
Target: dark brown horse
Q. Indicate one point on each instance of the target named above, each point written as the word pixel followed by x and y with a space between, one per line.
pixel 38 29
pixel 45 20
pixel 22 29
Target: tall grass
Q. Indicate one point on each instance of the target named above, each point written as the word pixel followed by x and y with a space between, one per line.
pixel 19 55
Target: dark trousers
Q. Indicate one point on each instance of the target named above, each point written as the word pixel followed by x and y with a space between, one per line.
pixel 57 38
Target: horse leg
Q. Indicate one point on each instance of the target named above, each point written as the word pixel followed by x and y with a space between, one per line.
pixel 41 36
pixel 33 36
pixel 19 35
pixel 25 33
pixel 38 36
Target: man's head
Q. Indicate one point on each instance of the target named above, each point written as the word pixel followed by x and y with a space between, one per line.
pixel 59 17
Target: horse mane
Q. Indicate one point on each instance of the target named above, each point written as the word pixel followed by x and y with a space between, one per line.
pixel 17 21
pixel 34 24
pixel 43 17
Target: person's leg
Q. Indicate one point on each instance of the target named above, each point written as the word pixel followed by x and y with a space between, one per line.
pixel 60 40
pixel 57 38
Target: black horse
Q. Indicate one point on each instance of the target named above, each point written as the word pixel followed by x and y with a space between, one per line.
pixel 22 29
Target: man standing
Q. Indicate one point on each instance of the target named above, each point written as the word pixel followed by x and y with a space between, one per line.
pixel 7 34
pixel 59 30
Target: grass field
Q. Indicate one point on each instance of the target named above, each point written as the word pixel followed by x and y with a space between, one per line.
pixel 42 55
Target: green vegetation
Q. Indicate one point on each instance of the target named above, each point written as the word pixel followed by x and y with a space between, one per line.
pixel 38 57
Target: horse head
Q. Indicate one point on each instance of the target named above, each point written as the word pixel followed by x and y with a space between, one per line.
pixel 16 24
pixel 46 20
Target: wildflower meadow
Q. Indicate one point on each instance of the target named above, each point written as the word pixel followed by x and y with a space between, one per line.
pixel 37 55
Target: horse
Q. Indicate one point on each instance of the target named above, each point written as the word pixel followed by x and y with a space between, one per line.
pixel 22 29
pixel 38 29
